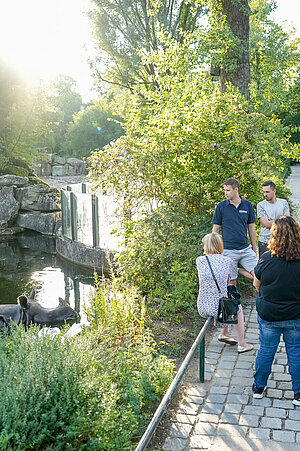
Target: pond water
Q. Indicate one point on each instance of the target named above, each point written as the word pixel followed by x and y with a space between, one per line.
pixel 29 260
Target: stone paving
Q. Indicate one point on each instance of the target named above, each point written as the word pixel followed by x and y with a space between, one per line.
pixel 222 414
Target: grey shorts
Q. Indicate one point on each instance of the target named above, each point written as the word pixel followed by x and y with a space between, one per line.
pixel 245 257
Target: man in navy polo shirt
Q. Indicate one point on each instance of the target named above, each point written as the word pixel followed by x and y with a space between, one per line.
pixel 236 217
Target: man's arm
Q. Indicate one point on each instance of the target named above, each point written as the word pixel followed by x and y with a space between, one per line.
pixel 217 219
pixel 266 222
pixel 252 235
pixel 263 216
pixel 216 228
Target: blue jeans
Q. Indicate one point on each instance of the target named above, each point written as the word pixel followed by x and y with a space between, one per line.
pixel 269 339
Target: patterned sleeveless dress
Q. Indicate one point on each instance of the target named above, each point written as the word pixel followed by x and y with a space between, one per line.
pixel 208 297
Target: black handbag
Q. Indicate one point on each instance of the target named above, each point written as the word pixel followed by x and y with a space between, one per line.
pixel 228 307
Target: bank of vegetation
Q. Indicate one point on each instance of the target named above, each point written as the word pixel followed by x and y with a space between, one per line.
pixel 96 391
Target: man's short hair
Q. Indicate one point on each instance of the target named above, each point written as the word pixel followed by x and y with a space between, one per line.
pixel 270 184
pixel 234 183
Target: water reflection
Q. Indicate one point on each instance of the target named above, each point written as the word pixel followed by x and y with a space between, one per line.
pixel 29 260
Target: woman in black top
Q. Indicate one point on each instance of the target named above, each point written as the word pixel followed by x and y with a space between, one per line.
pixel 277 278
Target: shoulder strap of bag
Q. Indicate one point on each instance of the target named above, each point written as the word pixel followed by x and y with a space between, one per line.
pixel 213 274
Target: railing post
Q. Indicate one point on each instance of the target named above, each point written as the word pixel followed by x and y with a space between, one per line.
pixel 202 360
pixel 63 211
pixel 73 205
pixel 95 221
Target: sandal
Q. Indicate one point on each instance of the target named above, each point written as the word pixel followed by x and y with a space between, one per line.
pixel 244 349
pixel 227 340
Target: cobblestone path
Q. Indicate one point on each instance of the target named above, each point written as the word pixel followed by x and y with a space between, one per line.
pixel 221 413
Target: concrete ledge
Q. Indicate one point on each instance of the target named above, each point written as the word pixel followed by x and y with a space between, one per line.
pixel 82 254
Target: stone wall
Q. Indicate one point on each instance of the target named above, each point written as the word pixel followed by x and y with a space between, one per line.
pixel 56 166
pixel 24 206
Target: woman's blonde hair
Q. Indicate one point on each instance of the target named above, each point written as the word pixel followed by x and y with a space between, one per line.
pixel 213 243
pixel 285 238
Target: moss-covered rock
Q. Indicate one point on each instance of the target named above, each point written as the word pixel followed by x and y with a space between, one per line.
pixel 15 170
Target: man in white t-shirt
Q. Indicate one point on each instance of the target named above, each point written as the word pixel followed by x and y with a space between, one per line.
pixel 267 211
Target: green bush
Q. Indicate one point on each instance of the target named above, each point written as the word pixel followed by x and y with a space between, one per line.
pixel 45 395
pixel 78 394
pixel 160 256
pixel 117 310
pixel 15 170
pixel 179 147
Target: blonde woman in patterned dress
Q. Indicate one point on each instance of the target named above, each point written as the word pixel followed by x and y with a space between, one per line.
pixel 208 297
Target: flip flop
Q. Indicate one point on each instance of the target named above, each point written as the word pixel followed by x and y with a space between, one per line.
pixel 244 349
pixel 227 340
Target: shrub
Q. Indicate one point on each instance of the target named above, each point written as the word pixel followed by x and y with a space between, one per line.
pixel 91 393
pixel 117 311
pixel 45 393
pixel 76 394
pixel 160 256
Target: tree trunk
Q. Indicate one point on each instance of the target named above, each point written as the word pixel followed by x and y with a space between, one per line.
pixel 237 17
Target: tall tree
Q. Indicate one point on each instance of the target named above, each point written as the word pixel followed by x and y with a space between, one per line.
pixel 127 29
pixel 274 59
pixel 65 102
pixel 92 128
pixel 236 63
pixel 24 120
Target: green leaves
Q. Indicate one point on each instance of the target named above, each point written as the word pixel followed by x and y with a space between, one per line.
pixel 188 141
pixel 126 30
pixel 23 119
pixel 181 143
pixel 93 128
pixel 274 58
pixel 77 394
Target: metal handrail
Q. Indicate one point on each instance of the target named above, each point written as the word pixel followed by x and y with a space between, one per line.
pixel 166 399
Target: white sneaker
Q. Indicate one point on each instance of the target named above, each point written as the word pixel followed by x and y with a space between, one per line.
pixel 258 393
pixel 296 400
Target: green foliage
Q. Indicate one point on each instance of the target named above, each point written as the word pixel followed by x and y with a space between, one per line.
pixel 178 149
pixel 46 392
pixel 117 314
pixel 63 97
pixel 93 128
pixel 15 170
pixel 117 310
pixel 127 30
pixel 275 62
pixel 189 140
pixel 24 119
pixel 290 112
pixel 65 103
pixel 160 255
pixel 92 393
